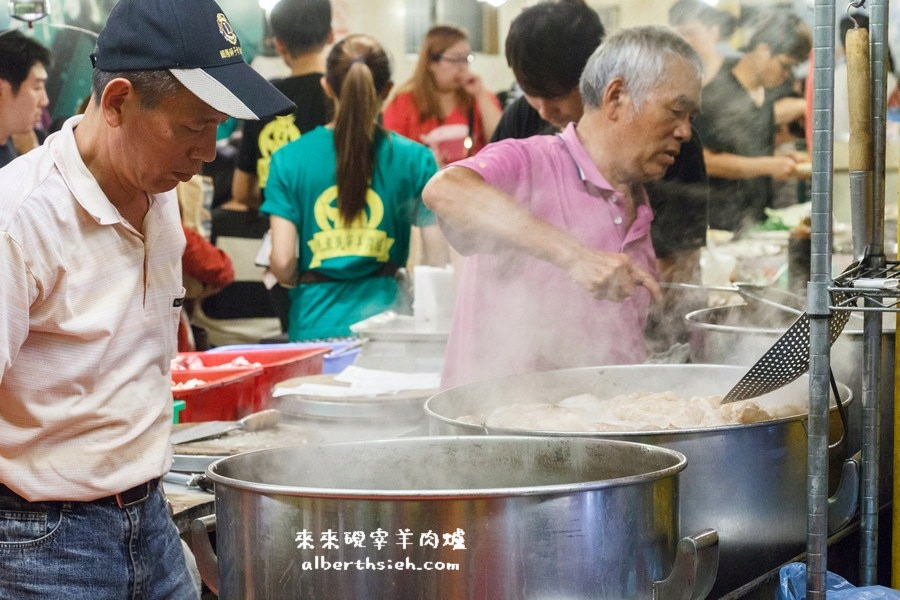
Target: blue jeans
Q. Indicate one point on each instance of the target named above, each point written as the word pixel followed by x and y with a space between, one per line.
pixel 91 551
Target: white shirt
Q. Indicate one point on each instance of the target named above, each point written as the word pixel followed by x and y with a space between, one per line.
pixel 89 310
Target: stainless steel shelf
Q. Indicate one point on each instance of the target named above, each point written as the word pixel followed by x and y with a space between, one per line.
pixel 846 292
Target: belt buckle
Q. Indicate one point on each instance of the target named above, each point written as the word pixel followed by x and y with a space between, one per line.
pixel 121 502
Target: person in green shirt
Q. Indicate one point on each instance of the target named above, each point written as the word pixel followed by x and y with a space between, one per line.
pixel 342 200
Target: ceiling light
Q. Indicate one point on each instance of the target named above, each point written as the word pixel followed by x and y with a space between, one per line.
pixel 28 10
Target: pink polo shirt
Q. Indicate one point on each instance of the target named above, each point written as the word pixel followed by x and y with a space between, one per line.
pixel 516 314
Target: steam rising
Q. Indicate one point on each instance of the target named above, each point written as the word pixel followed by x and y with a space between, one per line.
pixel 503 329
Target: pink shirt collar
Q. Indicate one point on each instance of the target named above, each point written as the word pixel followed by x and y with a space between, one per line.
pixel 587 170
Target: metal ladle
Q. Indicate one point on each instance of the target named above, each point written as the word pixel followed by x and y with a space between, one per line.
pixel 788 358
pixel 750 292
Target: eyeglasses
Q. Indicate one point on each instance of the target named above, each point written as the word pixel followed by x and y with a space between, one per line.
pixel 456 60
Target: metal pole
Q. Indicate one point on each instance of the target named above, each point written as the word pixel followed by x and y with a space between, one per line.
pixel 818 298
pixel 878 35
pixel 868 550
pixel 872 328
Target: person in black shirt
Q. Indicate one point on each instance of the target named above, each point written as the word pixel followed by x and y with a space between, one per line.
pixel 737 122
pixel 521 120
pixel 548 73
pixel 546 70
pixel 302 31
pixel 704 28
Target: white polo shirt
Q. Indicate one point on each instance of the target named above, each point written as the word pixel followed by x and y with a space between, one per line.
pixel 89 312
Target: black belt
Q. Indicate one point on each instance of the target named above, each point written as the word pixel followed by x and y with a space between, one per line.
pixel 129 497
pixel 385 270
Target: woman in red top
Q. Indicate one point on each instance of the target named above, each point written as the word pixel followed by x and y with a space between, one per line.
pixel 444 105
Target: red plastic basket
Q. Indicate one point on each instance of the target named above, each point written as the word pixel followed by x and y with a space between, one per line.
pixel 228 394
pixel 277 365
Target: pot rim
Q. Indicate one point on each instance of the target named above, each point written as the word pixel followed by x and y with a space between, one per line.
pixel 846 396
pixel 693 319
pixel 678 465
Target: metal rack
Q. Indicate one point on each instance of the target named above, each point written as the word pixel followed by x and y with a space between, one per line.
pixel 868 192
pixel 874 299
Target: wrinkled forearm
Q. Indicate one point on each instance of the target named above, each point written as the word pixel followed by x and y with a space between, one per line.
pixel 733 166
pixel 478 217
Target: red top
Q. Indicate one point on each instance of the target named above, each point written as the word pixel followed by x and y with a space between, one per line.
pixel 445 137
pixel 204 262
pixel 208 265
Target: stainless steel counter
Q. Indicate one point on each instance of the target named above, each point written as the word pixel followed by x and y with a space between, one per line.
pixel 188 504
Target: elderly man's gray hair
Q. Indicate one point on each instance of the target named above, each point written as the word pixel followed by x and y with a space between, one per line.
pixel 639 55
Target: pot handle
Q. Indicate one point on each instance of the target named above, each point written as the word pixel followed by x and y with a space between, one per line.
pixel 694 571
pixel 842 506
pixel 207 561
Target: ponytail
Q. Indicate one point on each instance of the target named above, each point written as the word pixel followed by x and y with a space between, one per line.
pixel 358 71
pixel 354 137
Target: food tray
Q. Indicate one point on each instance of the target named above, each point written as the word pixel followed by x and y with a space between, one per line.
pixel 228 394
pixel 277 365
pixel 340 356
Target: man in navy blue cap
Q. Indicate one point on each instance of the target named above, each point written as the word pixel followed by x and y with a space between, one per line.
pixel 90 295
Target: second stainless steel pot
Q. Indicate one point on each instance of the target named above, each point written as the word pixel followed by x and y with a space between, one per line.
pixel 738 335
pixel 748 482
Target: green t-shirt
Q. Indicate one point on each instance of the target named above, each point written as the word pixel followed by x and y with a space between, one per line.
pixel 302 188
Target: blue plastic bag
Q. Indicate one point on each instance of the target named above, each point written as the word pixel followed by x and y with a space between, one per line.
pixel 792 586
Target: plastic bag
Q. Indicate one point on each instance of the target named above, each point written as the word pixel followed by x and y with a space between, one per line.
pixel 792 586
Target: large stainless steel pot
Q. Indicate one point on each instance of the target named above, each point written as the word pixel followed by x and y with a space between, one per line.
pixel 739 335
pixel 354 418
pixel 748 482
pixel 460 517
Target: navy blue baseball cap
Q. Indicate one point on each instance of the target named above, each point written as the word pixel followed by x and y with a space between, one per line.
pixel 194 41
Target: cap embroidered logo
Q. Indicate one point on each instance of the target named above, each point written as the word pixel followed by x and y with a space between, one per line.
pixel 226 30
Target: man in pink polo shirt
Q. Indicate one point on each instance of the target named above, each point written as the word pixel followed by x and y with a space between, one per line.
pixel 560 269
